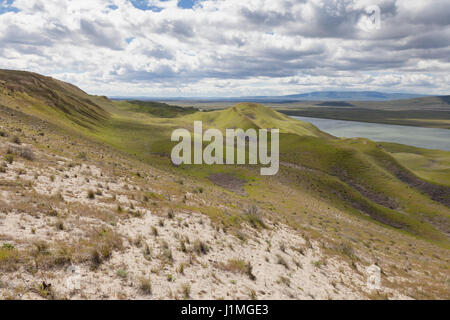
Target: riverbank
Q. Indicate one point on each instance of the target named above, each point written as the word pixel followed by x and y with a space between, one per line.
pixel 428 138
pixel 414 118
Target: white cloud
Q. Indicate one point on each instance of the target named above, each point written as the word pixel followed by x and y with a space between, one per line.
pixel 230 47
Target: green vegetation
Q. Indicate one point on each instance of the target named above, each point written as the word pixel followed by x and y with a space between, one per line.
pixel 239 266
pixel 431 165
pixel 121 273
pixel 158 109
pixel 406 191
pixel 9 158
pixel 185 290
pixel 50 98
pixel 145 285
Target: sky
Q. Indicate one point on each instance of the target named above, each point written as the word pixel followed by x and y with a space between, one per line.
pixel 190 48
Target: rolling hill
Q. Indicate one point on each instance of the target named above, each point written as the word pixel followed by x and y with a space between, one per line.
pixel 358 201
pixel 354 173
pixel 429 111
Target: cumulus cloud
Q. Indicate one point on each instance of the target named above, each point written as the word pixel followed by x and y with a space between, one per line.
pixel 232 47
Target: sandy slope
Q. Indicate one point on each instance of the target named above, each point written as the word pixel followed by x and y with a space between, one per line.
pixel 285 265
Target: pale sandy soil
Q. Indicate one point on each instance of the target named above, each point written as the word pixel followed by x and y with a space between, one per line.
pixel 283 263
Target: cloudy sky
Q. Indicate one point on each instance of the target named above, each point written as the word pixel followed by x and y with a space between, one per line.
pixel 230 47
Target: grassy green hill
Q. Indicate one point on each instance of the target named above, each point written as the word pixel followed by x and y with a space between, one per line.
pixel 432 165
pixel 251 115
pixel 50 98
pixel 357 176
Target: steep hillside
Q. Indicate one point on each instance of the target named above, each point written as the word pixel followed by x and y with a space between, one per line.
pixel 49 97
pixel 93 186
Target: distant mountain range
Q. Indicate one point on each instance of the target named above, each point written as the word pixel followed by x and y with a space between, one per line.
pixel 310 96
pixel 351 96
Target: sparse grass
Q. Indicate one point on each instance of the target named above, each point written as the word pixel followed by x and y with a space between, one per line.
pixel 9 258
pixel 200 247
pixel 254 217
pixel 239 266
pixel 122 273
pixel 319 263
pixel 145 285
pixel 9 158
pixel 284 280
pixel 46 291
pixel 40 247
pixel 104 242
pixel 27 153
pixel 15 139
pixel 241 236
pixel 183 247
pixel 60 225
pixel 170 278
pixel 22 151
pixel 181 268
pixel 8 246
pixel 91 195
pixel 166 253
pixel 346 249
pixel 198 190
pixel 185 290
pixel 138 241
pixel 147 252
pixel 82 155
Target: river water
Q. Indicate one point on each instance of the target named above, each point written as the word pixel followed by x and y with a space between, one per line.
pixel 430 138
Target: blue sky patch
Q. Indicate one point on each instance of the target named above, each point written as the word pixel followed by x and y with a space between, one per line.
pixel 7 6
pixel 187 4
pixel 144 5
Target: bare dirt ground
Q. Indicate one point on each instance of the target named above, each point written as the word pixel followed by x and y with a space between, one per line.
pixel 184 255
pixel 229 182
pixel 181 253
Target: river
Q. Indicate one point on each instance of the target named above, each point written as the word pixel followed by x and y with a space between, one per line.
pixel 430 138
